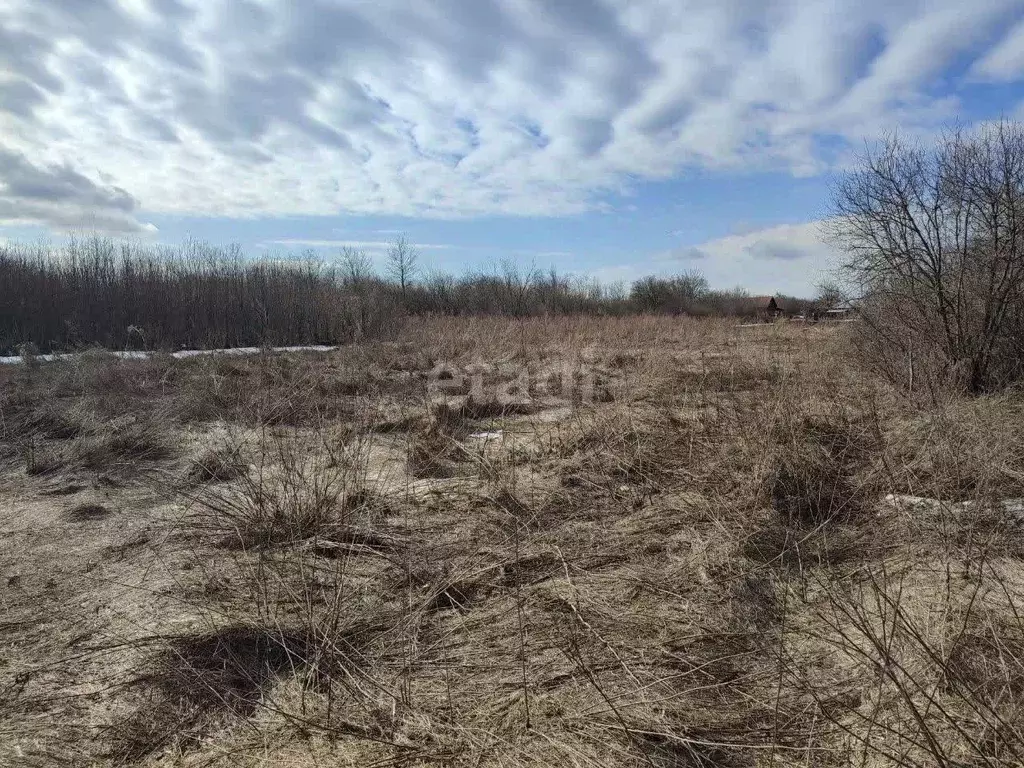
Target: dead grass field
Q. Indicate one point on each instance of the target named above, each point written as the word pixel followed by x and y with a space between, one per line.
pixel 740 551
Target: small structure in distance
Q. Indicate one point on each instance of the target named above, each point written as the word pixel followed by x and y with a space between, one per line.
pixel 838 312
pixel 764 308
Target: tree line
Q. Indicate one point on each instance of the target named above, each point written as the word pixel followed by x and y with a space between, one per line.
pixel 120 294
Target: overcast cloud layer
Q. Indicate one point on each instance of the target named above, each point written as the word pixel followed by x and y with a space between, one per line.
pixel 239 108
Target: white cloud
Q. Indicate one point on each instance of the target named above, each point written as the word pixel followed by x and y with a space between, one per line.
pixel 789 259
pixel 303 107
pixel 1006 60
pixel 619 273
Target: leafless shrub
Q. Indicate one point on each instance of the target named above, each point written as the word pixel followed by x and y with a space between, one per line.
pixel 29 353
pixel 960 450
pixel 935 244
pixel 436 448
pixel 927 705
pixel 294 493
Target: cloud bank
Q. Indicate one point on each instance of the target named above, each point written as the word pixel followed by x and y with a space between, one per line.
pixel 61 196
pixel 455 108
pixel 790 259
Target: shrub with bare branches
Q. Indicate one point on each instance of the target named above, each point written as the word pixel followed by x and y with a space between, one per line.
pixel 934 242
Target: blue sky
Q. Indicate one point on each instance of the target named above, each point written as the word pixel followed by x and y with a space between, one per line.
pixel 602 137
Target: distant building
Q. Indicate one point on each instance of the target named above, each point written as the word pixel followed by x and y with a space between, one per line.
pixel 839 312
pixel 790 307
pixel 764 308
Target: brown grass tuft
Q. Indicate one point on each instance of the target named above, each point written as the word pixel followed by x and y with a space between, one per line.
pixel 217 465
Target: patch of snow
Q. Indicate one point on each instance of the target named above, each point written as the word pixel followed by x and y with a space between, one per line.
pixel 904 500
pixel 487 435
pixel 180 354
pixel 1012 508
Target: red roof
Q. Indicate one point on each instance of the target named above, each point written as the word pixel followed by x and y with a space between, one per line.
pixel 762 302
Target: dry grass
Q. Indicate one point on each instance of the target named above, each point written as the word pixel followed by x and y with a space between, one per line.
pixel 217 465
pixel 740 552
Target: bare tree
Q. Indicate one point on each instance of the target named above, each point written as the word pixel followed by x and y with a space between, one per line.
pixel 441 288
pixel 402 259
pixel 615 291
pixel 690 286
pixel 679 293
pixel 518 283
pixel 357 274
pixel 830 294
pixel 934 240
pixel 356 267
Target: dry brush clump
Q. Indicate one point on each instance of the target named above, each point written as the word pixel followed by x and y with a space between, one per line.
pixel 290 492
pixel 217 464
pixel 816 478
pixel 284 556
pixel 961 449
pixel 436 447
pixel 197 683
pixel 125 445
pixel 883 656
pixel 93 413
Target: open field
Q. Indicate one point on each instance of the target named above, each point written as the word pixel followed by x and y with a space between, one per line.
pixel 692 544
